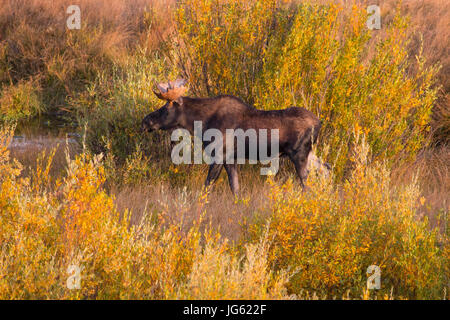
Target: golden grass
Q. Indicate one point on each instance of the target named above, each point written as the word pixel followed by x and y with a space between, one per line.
pixel 432 172
pixel 37 45
pixel 223 212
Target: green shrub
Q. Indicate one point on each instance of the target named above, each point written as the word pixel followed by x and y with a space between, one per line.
pixel 114 105
pixel 20 101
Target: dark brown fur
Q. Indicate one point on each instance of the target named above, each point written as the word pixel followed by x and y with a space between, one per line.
pixel 298 127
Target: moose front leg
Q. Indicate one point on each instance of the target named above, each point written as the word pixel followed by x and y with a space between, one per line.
pixel 233 178
pixel 213 173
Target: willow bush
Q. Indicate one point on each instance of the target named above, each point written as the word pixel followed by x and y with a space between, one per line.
pixel 321 57
pixel 47 226
pixel 20 101
pixel 330 235
pixel 317 242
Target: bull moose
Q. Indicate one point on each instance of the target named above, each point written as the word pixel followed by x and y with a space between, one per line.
pixel 298 128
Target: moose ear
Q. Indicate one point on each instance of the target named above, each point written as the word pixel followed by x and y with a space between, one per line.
pixel 179 100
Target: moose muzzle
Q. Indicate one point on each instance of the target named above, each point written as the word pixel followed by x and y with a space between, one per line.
pixel 145 127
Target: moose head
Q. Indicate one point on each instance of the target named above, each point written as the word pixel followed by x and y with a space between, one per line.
pixel 168 116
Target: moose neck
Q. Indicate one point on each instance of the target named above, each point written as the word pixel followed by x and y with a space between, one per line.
pixel 195 110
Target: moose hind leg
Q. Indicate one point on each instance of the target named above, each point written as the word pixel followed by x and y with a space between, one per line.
pixel 233 178
pixel 300 161
pixel 300 157
pixel 213 173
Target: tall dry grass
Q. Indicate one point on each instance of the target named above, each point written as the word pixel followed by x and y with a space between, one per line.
pixel 430 32
pixel 432 172
pixel 222 211
pixel 36 48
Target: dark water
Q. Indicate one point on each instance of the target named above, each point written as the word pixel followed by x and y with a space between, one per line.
pixel 42 133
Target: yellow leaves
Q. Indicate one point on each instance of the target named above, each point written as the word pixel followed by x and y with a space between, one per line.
pixel 357 129
pixel 319 62
pixel 333 234
pixel 422 200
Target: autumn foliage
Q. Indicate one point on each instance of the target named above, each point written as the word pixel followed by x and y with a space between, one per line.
pixel 319 242
pixel 321 57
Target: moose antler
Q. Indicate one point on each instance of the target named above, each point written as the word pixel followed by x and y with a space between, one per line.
pixel 171 90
